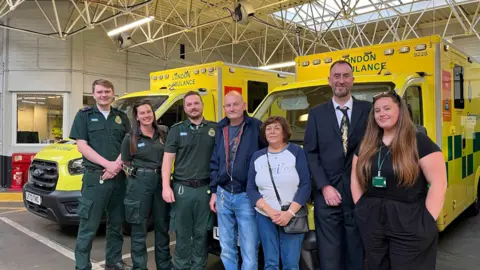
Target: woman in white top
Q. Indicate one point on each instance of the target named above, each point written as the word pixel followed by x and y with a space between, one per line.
pixel 290 173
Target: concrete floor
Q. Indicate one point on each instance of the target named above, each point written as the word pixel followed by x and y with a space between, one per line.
pixel 26 242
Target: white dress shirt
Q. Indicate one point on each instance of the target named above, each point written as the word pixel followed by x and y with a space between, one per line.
pixel 339 113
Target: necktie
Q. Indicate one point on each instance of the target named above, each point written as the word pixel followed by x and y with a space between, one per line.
pixel 344 125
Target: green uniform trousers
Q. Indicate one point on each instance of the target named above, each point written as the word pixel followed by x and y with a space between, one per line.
pixel 144 195
pixel 95 200
pixel 192 219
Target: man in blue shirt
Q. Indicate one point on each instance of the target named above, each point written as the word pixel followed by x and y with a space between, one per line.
pixel 237 137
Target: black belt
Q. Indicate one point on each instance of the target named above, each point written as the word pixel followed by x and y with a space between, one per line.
pixel 229 188
pixel 132 171
pixel 195 183
pixel 147 170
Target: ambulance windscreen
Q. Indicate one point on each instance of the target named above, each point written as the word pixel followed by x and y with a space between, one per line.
pixel 293 104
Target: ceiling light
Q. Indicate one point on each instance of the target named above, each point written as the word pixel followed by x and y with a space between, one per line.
pixel 129 26
pixel 279 65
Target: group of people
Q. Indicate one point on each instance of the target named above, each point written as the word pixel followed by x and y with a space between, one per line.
pixel 378 184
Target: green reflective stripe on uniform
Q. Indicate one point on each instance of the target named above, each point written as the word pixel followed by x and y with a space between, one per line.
pixel 450 148
pixel 457 146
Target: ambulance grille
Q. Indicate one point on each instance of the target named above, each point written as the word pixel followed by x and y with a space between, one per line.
pixel 43 175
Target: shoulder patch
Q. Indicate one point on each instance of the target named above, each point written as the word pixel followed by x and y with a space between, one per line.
pixel 86 109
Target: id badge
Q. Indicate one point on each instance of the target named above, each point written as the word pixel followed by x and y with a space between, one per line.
pixel 379 182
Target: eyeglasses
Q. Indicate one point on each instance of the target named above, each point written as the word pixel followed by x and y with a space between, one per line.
pixel 389 93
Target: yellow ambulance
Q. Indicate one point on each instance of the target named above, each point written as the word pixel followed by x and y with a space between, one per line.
pixel 438 81
pixel 55 174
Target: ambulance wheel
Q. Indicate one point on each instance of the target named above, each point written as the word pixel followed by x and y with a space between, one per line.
pixel 474 209
pixel 127 227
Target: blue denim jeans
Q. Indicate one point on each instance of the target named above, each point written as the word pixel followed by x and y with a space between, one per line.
pixel 236 216
pixel 277 245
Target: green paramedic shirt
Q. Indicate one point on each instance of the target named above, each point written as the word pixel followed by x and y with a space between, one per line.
pixel 149 152
pixel 105 136
pixel 193 147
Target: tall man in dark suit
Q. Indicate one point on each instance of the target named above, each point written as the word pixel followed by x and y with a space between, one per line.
pixel 334 130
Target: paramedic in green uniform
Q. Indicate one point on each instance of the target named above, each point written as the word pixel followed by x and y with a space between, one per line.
pixel 142 153
pixel 190 143
pixel 99 131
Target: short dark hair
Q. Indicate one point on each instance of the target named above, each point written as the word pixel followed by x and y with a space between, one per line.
pixel 287 132
pixel 339 62
pixel 192 93
pixel 104 83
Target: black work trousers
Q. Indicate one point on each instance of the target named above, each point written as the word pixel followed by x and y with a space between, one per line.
pixel 397 235
pixel 338 238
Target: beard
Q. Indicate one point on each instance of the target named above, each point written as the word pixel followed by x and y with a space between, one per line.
pixel 341 93
pixel 194 117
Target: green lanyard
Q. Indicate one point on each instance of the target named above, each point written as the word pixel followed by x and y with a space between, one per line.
pixel 380 165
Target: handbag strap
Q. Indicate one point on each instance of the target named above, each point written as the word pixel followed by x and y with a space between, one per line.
pixel 271 178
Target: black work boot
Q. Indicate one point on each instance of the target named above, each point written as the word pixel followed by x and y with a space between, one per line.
pixel 118 266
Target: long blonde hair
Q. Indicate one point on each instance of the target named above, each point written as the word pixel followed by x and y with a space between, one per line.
pixel 403 147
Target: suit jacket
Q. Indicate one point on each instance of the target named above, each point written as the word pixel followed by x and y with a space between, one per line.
pixel 324 148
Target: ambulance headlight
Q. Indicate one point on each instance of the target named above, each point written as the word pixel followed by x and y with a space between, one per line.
pixel 75 166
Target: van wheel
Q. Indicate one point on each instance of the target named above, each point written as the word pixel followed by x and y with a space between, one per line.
pixel 474 209
pixel 127 227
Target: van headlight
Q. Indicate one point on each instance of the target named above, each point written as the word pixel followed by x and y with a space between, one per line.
pixel 75 166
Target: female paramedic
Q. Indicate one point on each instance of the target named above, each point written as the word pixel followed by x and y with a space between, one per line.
pixel 395 209
pixel 142 151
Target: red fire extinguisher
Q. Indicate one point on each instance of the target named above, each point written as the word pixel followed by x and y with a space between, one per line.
pixel 17 178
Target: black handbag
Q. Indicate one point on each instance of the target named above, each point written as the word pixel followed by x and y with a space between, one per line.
pixel 298 223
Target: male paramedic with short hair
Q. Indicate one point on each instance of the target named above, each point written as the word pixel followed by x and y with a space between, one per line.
pixel 99 132
pixel 190 143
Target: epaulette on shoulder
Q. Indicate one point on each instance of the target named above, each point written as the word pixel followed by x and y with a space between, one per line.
pixel 177 124
pixel 86 109
pixel 119 111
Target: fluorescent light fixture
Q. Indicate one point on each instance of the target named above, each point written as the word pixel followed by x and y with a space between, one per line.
pixel 279 65
pixel 129 26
